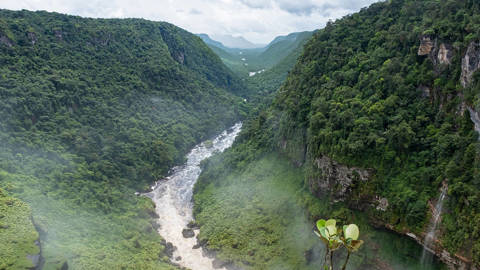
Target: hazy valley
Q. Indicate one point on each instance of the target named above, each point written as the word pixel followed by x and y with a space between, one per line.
pixel 135 144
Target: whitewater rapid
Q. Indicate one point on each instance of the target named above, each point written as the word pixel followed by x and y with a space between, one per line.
pixel 174 205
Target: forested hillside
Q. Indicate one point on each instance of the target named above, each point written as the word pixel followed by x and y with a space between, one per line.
pixel 92 111
pixel 281 47
pixel 282 51
pixel 376 117
pixel 266 83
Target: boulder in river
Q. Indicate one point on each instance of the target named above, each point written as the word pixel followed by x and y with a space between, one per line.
pixel 188 233
pixel 169 249
pixel 193 225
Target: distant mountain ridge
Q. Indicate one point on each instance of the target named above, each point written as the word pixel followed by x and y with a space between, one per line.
pixel 236 42
pixel 248 62
pixel 209 41
pixel 291 37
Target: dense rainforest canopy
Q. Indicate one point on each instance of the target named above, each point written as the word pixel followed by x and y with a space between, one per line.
pixel 94 110
pixel 365 94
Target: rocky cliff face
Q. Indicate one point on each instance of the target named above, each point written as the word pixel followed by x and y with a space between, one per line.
pixel 470 63
pixel 442 55
pixel 454 262
pixel 334 178
pixel 475 116
pixel 439 53
pixel 426 45
pixel 445 54
pixel 337 180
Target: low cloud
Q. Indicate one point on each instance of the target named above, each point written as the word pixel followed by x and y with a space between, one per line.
pixel 257 20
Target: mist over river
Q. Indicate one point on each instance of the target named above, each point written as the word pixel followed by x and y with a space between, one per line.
pixel 174 206
pixel 173 200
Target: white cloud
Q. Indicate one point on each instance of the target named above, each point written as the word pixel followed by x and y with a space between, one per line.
pixel 257 20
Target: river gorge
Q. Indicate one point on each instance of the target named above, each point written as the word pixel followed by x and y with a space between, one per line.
pixel 173 200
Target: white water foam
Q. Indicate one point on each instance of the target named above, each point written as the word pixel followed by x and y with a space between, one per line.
pixel 173 200
pixel 427 254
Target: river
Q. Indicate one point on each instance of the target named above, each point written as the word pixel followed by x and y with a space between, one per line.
pixel 174 206
pixel 173 200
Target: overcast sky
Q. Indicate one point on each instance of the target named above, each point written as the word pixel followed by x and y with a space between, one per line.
pixel 257 20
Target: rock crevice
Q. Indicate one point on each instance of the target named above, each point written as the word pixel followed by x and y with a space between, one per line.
pixel 334 178
pixel 470 63
pixel 475 117
pixel 439 53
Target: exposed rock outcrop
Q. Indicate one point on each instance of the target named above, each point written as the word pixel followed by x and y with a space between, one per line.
pixel 439 53
pixel 470 63
pixel 475 117
pixel 426 45
pixel 445 54
pixel 335 178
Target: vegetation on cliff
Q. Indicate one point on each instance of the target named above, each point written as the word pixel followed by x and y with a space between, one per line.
pixel 257 214
pixel 357 98
pixel 264 85
pixel 362 95
pixel 94 110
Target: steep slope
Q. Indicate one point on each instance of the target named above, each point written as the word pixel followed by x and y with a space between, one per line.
pixel 266 83
pixel 245 62
pixel 377 114
pixel 281 47
pixel 94 110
